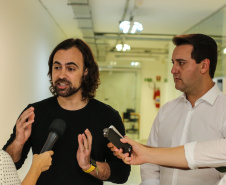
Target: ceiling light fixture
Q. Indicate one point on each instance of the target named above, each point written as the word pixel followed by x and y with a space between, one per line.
pixel 135 63
pixel 224 51
pixel 130 26
pixel 122 47
pixel 113 63
pixel 124 26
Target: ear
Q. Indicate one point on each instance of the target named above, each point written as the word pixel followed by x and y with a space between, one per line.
pixel 205 64
pixel 85 71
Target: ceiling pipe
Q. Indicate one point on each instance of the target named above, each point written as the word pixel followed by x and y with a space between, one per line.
pixel 131 38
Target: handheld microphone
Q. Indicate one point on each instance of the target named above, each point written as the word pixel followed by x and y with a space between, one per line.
pixel 57 129
pixel 221 169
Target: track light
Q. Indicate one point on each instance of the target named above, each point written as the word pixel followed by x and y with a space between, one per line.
pixel 124 26
pixel 130 26
pixel 122 47
pixel 135 63
pixel 137 27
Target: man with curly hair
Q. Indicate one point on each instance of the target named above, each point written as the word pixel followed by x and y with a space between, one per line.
pixel 81 155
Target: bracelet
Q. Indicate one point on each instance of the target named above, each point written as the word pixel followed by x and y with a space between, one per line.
pixel 90 169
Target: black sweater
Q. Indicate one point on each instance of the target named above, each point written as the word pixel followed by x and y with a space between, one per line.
pixel 65 169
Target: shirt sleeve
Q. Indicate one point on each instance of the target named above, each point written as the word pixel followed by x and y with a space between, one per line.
pixel 189 151
pixel 223 181
pixel 8 172
pixel 150 173
pixel 206 154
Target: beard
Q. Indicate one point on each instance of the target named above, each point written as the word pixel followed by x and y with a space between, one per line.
pixel 68 91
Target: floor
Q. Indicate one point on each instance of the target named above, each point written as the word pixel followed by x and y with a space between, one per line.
pixel 134 178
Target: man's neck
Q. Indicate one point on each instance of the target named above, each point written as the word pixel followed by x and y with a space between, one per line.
pixel 73 102
pixel 198 93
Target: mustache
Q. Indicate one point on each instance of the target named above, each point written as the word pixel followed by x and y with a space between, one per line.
pixel 64 81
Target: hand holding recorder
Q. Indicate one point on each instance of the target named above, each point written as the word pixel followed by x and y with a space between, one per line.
pixel 114 137
pixel 139 153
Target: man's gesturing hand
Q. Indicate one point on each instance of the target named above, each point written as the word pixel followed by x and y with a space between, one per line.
pixel 23 126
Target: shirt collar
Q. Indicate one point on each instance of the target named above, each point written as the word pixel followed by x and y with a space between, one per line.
pixel 209 97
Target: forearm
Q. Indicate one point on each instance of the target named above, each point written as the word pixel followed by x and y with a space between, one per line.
pixel 103 173
pixel 32 176
pixel 15 150
pixel 173 157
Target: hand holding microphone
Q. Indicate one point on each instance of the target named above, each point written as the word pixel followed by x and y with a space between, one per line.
pixel 57 129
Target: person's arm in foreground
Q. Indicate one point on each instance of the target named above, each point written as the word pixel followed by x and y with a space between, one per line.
pixel 40 163
pixel 162 156
pixel 191 155
pixel 83 157
pixel 23 132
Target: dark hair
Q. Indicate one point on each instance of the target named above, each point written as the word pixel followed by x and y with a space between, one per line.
pixel 204 47
pixel 91 81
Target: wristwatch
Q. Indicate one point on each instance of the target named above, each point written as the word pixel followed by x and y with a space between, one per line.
pixel 93 162
pixel 92 167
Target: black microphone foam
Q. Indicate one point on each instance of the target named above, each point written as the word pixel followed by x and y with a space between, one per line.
pixel 56 129
pixel 58 126
pixel 221 169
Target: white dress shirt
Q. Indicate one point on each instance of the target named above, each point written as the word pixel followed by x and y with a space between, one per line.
pixel 206 154
pixel 8 173
pixel 178 123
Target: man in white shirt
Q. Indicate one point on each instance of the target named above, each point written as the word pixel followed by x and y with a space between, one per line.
pixel 197 115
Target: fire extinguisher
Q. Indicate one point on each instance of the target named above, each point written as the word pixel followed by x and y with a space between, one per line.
pixel 157 97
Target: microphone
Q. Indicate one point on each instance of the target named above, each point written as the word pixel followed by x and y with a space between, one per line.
pixel 221 169
pixel 57 129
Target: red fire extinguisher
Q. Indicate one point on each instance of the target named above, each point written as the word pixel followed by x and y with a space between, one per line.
pixel 157 97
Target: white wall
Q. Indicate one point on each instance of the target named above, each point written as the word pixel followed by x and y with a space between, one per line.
pixel 118 89
pixel 150 69
pixel 27 36
pixel 224 44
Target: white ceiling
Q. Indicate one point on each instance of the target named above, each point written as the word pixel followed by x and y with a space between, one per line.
pixel 97 21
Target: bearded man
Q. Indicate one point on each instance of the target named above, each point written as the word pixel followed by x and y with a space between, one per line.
pixel 79 156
